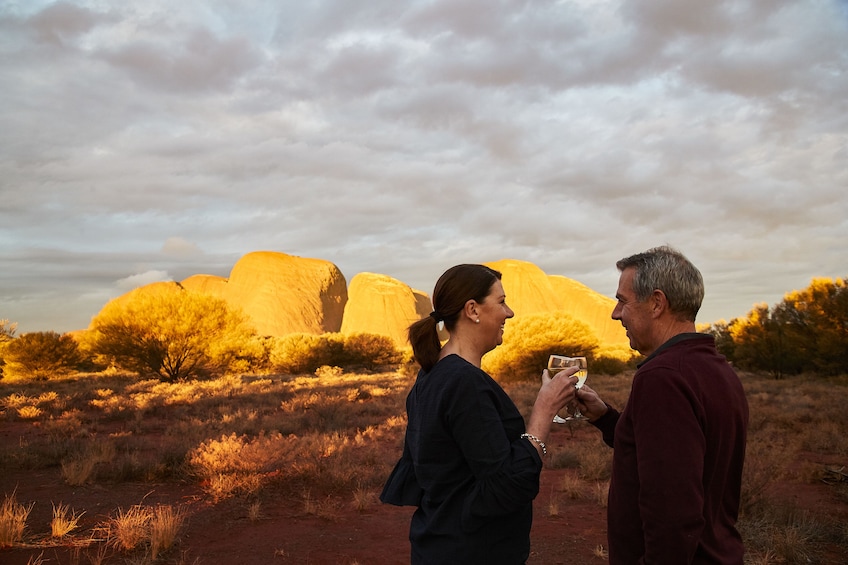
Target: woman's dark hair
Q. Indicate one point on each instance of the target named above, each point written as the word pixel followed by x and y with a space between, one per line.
pixel 454 288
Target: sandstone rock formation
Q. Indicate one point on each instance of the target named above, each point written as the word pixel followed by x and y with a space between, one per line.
pixel 592 308
pixel 285 294
pixel 281 293
pixel 379 304
pixel 529 290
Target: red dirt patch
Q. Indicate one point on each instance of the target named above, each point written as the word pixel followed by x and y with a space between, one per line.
pixel 285 533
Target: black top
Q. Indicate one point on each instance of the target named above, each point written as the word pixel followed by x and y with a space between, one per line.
pixel 467 469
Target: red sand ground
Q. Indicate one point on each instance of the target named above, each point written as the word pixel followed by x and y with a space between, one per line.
pixel 223 534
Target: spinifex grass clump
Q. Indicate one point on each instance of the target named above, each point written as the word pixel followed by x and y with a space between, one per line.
pixel 64 521
pixel 13 518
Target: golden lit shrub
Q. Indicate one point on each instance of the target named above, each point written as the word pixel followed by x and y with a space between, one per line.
pixel 41 355
pixel 529 340
pixel 170 332
pixel 305 353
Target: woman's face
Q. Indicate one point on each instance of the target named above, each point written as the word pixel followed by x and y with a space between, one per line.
pixel 493 313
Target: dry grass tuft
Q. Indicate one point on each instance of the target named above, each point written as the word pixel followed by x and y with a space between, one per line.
pixel 602 493
pixel 363 499
pixel 571 486
pixel 129 530
pixel 553 505
pixel 13 519
pixel 165 524
pixel 64 521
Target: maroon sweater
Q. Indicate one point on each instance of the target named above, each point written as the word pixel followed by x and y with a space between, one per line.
pixel 677 466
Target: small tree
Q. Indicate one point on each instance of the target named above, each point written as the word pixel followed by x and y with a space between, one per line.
pixel 41 355
pixel 165 330
pixel 529 340
pixel 819 314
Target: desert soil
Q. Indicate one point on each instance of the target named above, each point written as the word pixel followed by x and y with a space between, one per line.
pixel 224 534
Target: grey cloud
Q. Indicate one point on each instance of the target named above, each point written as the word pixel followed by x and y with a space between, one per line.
pixel 63 23
pixel 403 138
pixel 197 61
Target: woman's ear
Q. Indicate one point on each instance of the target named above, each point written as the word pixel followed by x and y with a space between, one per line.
pixel 470 310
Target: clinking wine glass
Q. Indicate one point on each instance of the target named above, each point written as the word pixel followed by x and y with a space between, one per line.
pixel 557 363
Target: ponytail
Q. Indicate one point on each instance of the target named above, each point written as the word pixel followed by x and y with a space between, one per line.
pixel 453 290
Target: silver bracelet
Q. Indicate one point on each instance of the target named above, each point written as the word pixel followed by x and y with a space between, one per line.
pixel 534 439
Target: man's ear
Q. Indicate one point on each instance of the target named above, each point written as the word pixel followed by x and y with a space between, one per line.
pixel 659 303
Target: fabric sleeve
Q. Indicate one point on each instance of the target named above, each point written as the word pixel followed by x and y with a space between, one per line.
pixel 402 488
pixel 505 471
pixel 671 445
pixel 606 424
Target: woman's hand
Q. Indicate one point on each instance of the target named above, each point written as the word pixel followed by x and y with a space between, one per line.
pixel 554 394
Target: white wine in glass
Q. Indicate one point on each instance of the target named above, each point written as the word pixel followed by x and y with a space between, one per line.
pixel 557 363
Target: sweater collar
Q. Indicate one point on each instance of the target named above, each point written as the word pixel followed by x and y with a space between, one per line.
pixel 674 340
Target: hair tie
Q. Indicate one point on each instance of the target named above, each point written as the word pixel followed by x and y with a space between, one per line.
pixel 436 316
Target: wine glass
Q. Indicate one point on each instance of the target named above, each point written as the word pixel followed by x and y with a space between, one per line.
pixel 557 363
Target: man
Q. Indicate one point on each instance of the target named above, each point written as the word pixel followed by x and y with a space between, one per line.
pixel 680 441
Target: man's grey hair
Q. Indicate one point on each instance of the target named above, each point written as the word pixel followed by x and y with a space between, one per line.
pixel 667 269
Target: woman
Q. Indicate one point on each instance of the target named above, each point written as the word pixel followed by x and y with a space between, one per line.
pixel 468 463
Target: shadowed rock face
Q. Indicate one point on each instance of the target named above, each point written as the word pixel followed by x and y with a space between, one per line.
pixel 281 293
pixel 379 304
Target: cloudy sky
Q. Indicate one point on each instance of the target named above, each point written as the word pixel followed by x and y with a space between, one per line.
pixel 148 140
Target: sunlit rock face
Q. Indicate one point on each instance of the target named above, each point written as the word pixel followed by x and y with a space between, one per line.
pixel 282 294
pixel 379 304
pixel 590 307
pixel 529 290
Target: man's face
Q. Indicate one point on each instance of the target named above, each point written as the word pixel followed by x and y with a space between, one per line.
pixel 635 316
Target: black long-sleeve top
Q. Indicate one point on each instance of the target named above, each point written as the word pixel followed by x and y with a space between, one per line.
pixel 475 476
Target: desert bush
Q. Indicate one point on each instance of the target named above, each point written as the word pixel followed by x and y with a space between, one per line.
pixel 783 533
pixel 78 469
pixel 530 340
pixel 602 364
pixel 305 353
pixel 175 334
pixel 41 355
pixel 765 462
pixel 369 351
